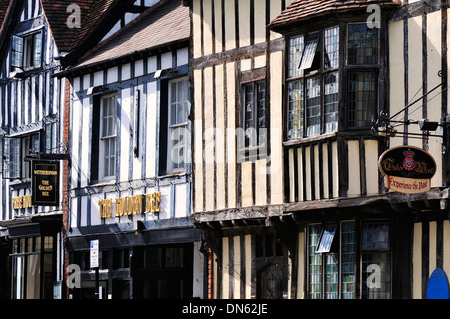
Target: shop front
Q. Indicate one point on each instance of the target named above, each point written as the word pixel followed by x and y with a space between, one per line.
pixel 34 258
pixel 139 264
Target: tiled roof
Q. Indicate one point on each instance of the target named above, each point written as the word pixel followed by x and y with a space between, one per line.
pixel 162 24
pixel 301 10
pixel 4 4
pixel 92 14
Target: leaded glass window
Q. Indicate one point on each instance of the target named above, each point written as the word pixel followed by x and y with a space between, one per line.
pixel 348 257
pixel 254 102
pixel 320 85
pixel 361 98
pixel 313 106
pixel 362 44
pixel 315 263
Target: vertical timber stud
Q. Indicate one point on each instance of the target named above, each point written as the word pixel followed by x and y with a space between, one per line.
pixel 444 79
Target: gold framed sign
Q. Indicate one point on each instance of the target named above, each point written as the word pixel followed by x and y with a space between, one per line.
pixel 408 169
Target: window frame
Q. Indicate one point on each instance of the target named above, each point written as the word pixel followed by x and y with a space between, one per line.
pixel 359 273
pixel 30 55
pixel 107 138
pixel 21 159
pixel 171 128
pixel 296 86
pixel 253 144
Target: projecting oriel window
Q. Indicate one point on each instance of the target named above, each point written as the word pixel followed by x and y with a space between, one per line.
pixel 326 93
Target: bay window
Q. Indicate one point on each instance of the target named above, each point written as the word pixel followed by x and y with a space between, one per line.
pixel 327 86
pixel 336 256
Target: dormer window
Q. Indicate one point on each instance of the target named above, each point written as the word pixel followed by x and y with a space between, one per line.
pixel 26 51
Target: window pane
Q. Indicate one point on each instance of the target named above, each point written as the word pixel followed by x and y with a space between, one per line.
pixel 296 46
pixel 17 51
pixel 348 252
pixel 37 49
pixel 331 276
pixel 314 263
pixel 261 111
pixel 362 44
pixel 15 160
pixel 376 275
pixel 179 102
pixel 33 276
pixel 310 51
pixel 361 98
pixel 296 109
pixel 326 239
pixel 331 88
pixel 313 106
pixel 375 236
pixel 331 48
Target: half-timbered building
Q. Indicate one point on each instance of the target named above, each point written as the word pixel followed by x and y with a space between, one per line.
pixel 31 117
pixel 380 76
pixel 130 171
pixel 317 91
pixel 237 75
pixel 34 36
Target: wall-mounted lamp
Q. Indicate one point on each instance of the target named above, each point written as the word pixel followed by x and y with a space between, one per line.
pixel 426 125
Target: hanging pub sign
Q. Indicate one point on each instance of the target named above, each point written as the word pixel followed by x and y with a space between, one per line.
pixel 408 169
pixel 45 183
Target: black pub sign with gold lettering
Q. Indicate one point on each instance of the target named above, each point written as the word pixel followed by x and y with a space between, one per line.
pixel 45 183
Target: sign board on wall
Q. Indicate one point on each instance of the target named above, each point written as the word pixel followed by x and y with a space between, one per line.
pixel 94 253
pixel 45 183
pixel 408 169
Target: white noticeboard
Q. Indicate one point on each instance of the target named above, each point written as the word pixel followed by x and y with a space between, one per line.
pixel 94 253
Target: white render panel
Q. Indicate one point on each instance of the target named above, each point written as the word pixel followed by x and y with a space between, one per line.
pixel 95 215
pixel 151 64
pixel 98 78
pixel 85 143
pixel 166 60
pixel 182 56
pixel 151 130
pixel 84 203
pixel 124 138
pixel 75 142
pixel 139 68
pixel 180 201
pixel 126 71
pixel 166 202
pixel 112 75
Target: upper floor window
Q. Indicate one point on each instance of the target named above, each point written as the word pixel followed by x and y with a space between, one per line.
pixel 108 136
pixel 26 51
pixel 178 143
pixel 254 95
pixel 320 86
pixel 18 153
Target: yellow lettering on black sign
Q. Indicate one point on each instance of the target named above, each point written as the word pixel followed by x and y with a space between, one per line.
pixel 130 205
